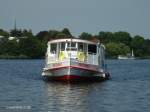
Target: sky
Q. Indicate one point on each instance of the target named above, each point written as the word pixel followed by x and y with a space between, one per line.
pixel 78 16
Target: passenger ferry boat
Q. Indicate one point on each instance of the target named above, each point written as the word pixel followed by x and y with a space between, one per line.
pixel 75 60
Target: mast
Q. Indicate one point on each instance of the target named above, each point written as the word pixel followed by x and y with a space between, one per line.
pixel 132 53
pixel 14 24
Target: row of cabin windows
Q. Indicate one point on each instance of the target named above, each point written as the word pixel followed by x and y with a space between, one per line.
pixel 74 47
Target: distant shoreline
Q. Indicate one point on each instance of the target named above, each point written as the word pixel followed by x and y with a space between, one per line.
pixel 11 57
pixel 17 57
pixel 23 44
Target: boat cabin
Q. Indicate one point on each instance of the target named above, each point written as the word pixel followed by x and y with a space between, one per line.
pixel 80 50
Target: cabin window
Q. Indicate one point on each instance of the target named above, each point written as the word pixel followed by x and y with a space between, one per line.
pixel 80 46
pixel 71 44
pixel 92 49
pixel 63 46
pixel 53 48
pixel 85 47
pixel 71 49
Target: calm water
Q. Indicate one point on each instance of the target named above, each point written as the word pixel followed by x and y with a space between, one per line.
pixel 23 90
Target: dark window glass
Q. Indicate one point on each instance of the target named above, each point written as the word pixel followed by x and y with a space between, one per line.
pixel 92 49
pixel 53 48
pixel 80 46
pixel 71 49
pixel 71 44
pixel 62 46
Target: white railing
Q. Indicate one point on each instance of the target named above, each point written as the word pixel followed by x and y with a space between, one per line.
pixel 92 59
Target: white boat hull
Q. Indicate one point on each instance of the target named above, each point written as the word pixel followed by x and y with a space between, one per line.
pixel 74 71
pixel 125 58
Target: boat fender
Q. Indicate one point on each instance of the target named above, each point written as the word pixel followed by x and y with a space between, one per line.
pixel 103 75
pixel 107 75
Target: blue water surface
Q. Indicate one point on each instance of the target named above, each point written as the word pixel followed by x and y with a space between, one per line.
pixel 23 90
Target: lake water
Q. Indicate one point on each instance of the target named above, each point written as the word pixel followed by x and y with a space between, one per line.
pixel 23 90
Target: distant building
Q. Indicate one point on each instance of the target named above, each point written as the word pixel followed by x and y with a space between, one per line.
pixel 12 38
pixel 16 38
pixel 1 36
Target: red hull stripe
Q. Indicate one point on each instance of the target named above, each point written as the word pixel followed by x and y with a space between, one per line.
pixel 79 67
pixel 73 78
pixel 67 77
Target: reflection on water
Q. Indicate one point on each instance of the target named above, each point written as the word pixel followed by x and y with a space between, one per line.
pixel 23 90
pixel 68 97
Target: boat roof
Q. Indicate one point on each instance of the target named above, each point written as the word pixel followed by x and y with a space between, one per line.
pixel 73 40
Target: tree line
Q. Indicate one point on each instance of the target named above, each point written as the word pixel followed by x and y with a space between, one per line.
pixel 18 43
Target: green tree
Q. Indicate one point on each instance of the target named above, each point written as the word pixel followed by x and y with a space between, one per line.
pixel 16 33
pixel 27 33
pixel 52 34
pixel 85 36
pixel 146 48
pixel 8 47
pixel 32 47
pixel 4 33
pixel 115 49
pixel 12 48
pixel 67 32
pixel 105 37
pixel 122 37
pixel 3 45
pixel 137 44
pixel 43 35
pixel 61 35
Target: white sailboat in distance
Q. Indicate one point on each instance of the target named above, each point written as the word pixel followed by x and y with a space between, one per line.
pixel 128 56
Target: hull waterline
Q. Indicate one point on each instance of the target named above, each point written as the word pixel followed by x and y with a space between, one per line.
pixel 72 78
pixel 70 74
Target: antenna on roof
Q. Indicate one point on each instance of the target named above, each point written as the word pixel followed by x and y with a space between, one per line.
pixel 14 23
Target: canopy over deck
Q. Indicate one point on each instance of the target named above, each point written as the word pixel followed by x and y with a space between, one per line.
pixel 74 40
